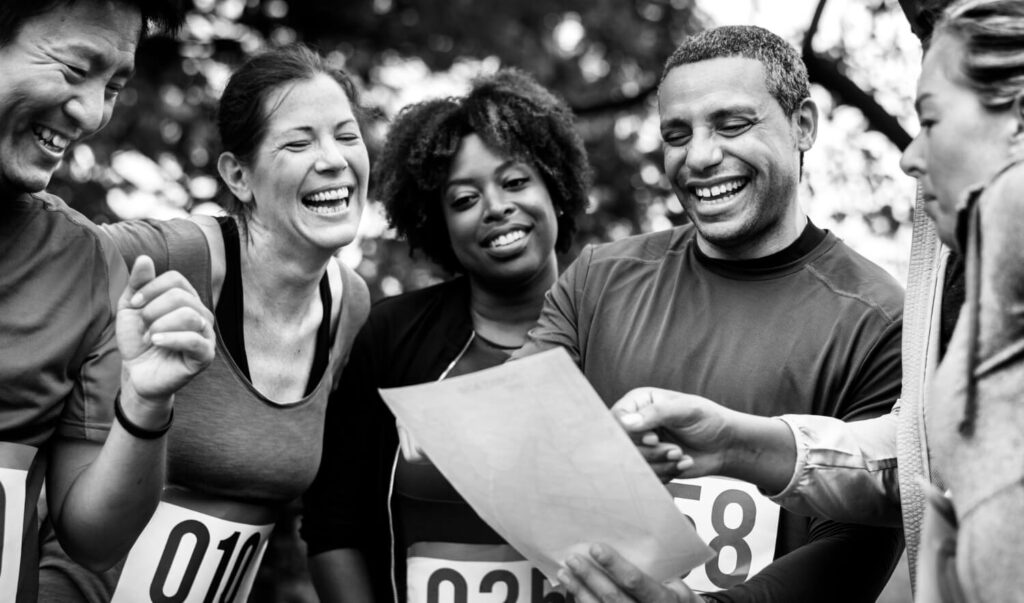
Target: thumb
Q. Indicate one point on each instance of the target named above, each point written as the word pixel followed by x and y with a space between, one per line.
pixel 666 409
pixel 142 272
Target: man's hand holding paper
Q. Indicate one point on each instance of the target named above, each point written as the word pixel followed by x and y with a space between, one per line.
pixel 533 448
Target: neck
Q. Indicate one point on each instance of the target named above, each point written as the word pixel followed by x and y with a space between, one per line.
pixel 774 239
pixel 279 278
pixel 505 314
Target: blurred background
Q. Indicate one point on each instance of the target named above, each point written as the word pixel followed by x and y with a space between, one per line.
pixel 157 157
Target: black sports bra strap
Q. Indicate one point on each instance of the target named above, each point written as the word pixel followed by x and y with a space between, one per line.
pixel 230 310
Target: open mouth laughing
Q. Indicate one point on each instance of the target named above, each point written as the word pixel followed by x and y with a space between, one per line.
pixel 51 140
pixel 328 202
pixel 719 192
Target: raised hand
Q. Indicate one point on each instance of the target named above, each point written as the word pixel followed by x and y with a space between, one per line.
pixel 164 332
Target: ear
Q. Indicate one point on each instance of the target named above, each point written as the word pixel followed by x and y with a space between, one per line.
pixel 235 175
pixel 805 124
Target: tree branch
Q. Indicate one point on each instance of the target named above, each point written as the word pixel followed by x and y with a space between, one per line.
pixel 827 73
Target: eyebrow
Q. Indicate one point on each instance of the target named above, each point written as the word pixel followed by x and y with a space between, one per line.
pixel 97 60
pixel 501 168
pixel 311 129
pixel 717 114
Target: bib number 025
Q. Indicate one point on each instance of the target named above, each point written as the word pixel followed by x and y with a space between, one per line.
pixel 736 520
pixel 184 556
pixel 433 580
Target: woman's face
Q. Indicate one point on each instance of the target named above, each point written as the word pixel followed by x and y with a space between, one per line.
pixel 500 217
pixel 961 143
pixel 310 172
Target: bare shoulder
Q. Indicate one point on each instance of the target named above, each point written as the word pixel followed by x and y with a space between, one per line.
pixel 215 241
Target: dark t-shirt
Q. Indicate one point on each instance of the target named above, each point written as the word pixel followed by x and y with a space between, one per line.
pixel 812 332
pixel 60 280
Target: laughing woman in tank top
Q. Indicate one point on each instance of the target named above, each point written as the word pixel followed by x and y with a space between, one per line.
pixel 247 436
pixel 486 185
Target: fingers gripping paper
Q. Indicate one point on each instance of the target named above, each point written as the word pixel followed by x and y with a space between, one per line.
pixel 535 451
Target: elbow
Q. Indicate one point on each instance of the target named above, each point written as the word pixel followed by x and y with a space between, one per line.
pixel 96 559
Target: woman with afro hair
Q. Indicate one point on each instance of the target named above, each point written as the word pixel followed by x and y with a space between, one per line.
pixel 487 186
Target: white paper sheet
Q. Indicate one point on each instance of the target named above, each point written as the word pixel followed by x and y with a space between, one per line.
pixel 535 451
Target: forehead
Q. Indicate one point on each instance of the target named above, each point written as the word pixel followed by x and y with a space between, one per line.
pixel 107 30
pixel 306 103
pixel 940 69
pixel 475 156
pixel 711 85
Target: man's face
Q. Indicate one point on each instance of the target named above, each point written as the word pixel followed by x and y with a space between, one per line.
pixel 61 75
pixel 733 156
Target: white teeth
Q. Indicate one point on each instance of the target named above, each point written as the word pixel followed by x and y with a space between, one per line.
pixel 706 192
pixel 51 139
pixel 337 194
pixel 506 239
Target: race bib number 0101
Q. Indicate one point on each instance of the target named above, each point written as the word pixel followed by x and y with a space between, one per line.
pixel 184 556
pixel 736 520
pixel 15 460
pixel 432 580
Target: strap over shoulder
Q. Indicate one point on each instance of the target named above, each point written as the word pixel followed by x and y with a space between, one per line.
pixel 920 340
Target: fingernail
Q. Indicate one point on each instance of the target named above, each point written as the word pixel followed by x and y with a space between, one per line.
pixel 650 439
pixel 631 420
pixel 563 576
pixel 574 563
pixel 674 455
pixel 158 338
pixel 685 463
pixel 136 300
pixel 599 552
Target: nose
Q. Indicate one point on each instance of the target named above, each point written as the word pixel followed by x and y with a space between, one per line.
pixel 703 151
pixel 331 157
pixel 89 108
pixel 498 204
pixel 912 161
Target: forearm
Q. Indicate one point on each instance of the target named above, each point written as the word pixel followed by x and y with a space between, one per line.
pixel 843 471
pixel 340 576
pixel 102 498
pixel 842 563
pixel 761 451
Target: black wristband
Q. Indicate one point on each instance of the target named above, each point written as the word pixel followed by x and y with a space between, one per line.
pixel 135 430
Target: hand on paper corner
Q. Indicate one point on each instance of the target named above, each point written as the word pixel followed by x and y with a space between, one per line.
pixel 410 449
pixel 604 576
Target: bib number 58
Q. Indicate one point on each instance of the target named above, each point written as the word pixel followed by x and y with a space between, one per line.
pixel 736 521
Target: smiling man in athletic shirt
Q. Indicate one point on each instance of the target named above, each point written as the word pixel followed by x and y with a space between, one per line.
pixel 750 305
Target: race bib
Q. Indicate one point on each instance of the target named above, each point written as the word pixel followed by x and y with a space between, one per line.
pixel 15 460
pixel 497 574
pixel 736 520
pixel 188 556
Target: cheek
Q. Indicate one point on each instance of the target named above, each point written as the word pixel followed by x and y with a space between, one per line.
pixel 461 231
pixel 674 159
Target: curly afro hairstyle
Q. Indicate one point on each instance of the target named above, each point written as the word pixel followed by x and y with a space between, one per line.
pixel 513 115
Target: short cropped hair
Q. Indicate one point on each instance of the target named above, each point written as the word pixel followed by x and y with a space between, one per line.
pixel 513 115
pixel 158 16
pixel 785 72
pixel 242 117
